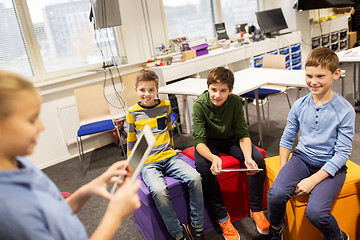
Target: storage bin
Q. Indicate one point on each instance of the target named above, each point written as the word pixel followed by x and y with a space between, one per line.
pixel 296 54
pixel 295 47
pixel 284 51
pixel 258 61
pixel 296 67
pixel 296 61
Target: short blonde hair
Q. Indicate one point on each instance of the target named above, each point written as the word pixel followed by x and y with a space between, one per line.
pixel 10 84
pixel 148 76
pixel 323 57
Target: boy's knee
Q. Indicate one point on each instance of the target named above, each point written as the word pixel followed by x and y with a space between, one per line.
pixel 277 195
pixel 316 215
pixel 194 178
pixel 159 192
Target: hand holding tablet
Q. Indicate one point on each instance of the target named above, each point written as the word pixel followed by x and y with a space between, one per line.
pixel 138 155
pixel 241 170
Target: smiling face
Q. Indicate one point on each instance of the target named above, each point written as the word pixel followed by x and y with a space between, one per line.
pixel 219 92
pixel 19 131
pixel 319 81
pixel 147 92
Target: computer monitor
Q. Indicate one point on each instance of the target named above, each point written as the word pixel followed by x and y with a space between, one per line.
pixel 221 31
pixel 271 21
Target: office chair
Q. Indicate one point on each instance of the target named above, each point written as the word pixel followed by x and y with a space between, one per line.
pixel 94 115
pixel 131 98
pixel 269 61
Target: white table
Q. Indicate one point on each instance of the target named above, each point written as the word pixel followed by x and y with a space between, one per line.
pixel 219 57
pixel 245 80
pixel 353 56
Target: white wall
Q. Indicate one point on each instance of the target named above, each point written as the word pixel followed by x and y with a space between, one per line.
pixel 287 9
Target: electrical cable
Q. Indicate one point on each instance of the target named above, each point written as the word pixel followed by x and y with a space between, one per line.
pixel 99 34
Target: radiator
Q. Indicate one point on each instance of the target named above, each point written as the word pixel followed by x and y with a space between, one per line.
pixel 69 118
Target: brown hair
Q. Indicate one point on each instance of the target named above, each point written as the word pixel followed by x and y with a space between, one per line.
pixel 10 84
pixel 221 75
pixel 323 57
pixel 147 75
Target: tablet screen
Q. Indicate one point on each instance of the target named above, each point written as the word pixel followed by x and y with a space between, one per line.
pixel 137 155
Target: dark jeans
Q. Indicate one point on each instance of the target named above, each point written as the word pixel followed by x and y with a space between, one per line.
pixel 320 198
pixel 211 187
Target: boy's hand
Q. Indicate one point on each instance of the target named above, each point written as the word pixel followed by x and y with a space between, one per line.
pixel 216 165
pixel 251 164
pixel 177 151
pixel 304 187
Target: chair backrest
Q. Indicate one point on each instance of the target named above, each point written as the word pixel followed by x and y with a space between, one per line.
pixel 129 79
pixel 130 96
pixel 91 104
pixel 274 61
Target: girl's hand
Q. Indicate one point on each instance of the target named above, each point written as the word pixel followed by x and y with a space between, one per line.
pixel 126 200
pixel 98 186
pixel 177 151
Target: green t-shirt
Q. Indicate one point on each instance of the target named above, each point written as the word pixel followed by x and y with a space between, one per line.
pixel 211 122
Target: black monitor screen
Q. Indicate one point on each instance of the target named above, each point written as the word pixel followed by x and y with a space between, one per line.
pixel 311 4
pixel 271 20
pixel 221 31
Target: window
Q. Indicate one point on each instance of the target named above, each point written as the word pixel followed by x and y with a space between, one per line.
pixel 66 36
pixel 13 53
pixel 191 18
pixel 238 12
pixel 56 35
pixel 196 18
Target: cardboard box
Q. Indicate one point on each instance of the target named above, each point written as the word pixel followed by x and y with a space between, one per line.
pixel 189 54
pixel 352 37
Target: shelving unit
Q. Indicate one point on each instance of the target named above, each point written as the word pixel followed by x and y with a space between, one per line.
pixel 332 33
pixel 293 56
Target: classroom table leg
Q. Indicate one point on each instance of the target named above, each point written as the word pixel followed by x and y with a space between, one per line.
pixel 356 84
pixel 258 117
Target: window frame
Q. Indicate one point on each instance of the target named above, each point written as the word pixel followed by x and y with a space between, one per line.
pixel 33 49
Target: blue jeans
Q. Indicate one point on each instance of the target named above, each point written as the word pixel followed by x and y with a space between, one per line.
pixel 321 196
pixel 153 176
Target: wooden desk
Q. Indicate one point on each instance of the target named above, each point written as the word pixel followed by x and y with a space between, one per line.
pixel 353 56
pixel 245 80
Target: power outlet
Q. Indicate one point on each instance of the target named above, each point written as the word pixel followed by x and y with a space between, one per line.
pixel 124 60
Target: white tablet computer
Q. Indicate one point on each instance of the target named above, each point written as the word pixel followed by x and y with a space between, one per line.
pixel 138 155
pixel 240 170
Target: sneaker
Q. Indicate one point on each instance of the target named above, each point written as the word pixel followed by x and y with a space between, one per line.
pixel 262 224
pixel 229 232
pixel 195 234
pixel 275 234
pixel 344 236
pixel 185 233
